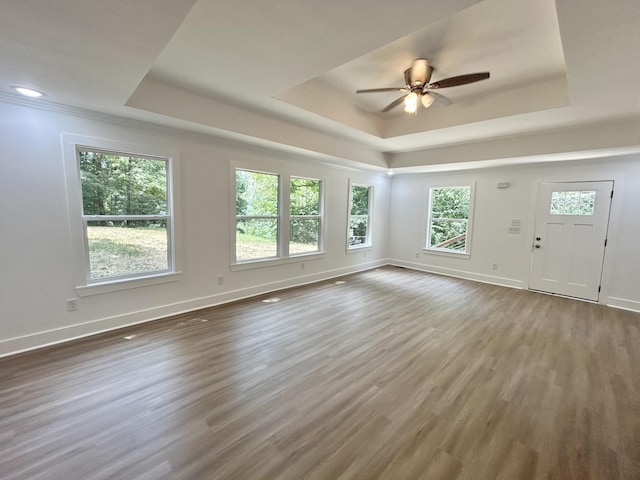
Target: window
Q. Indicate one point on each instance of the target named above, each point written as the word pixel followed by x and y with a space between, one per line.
pixel 257 207
pixel 359 228
pixel 305 218
pixel 573 203
pixel 277 216
pixel 125 214
pixel 448 224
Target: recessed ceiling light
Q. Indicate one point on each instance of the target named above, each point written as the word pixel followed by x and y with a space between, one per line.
pixel 28 92
pixel 271 300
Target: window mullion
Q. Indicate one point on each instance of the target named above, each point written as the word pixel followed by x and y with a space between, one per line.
pixel 284 215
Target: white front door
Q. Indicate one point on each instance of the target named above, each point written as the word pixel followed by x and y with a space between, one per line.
pixel 570 238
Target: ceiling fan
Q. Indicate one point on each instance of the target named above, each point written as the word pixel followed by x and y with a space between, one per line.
pixel 416 79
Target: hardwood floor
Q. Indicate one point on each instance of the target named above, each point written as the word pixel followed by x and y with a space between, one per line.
pixel 395 374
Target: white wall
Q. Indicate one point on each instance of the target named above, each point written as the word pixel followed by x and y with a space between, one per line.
pixel 36 276
pixel 494 208
pixel 35 254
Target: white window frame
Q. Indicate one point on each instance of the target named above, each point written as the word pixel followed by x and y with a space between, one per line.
pixel 369 240
pixel 319 215
pixel 277 217
pixel 444 251
pixel 85 285
pixel 284 221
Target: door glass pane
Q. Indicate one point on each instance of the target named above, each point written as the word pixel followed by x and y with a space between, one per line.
pixel 587 203
pixel 573 203
pixel 557 203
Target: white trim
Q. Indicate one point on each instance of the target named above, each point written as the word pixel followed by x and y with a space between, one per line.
pixel 446 253
pixel 451 272
pixel 283 219
pixel 34 341
pixel 274 261
pixel 71 143
pixel 469 220
pixel 623 304
pixel 127 284
pixel 371 193
pixel 359 248
pixel 38 340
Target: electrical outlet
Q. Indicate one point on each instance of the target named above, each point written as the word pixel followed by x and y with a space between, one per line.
pixel 220 279
pixel 418 255
pixel 72 305
pixel 494 266
pixel 302 266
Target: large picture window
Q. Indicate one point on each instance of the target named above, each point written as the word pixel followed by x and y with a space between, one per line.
pixel 359 228
pixel 449 219
pixel 125 214
pixel 277 215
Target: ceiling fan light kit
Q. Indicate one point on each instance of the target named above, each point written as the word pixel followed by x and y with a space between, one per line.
pixel 417 86
pixel 411 102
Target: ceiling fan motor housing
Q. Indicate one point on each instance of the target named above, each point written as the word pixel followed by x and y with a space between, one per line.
pixel 419 74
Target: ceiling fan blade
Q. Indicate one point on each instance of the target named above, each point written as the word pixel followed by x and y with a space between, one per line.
pixel 394 104
pixel 459 80
pixel 419 73
pixel 390 89
pixel 439 99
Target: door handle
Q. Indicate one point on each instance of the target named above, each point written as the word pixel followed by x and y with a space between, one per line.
pixel 538 239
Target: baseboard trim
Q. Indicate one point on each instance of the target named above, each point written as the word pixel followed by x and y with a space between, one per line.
pixel 48 338
pixel 56 336
pixel 623 304
pixel 450 272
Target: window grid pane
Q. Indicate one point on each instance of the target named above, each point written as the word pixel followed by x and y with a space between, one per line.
pixel 116 184
pixel 256 238
pixel 358 230
pixel 304 235
pixel 304 196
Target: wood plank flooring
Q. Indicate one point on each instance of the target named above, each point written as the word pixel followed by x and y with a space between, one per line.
pixel 394 374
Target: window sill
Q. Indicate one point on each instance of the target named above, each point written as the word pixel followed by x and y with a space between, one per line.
pixel 446 253
pixel 270 262
pixel 126 284
pixel 360 248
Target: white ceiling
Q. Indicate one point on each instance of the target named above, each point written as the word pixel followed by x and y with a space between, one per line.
pixel 283 73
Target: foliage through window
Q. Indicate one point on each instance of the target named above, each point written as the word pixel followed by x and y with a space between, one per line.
pixel 573 203
pixel 305 219
pixel 126 216
pixel 360 216
pixel 256 215
pixel 448 226
pixel 261 223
